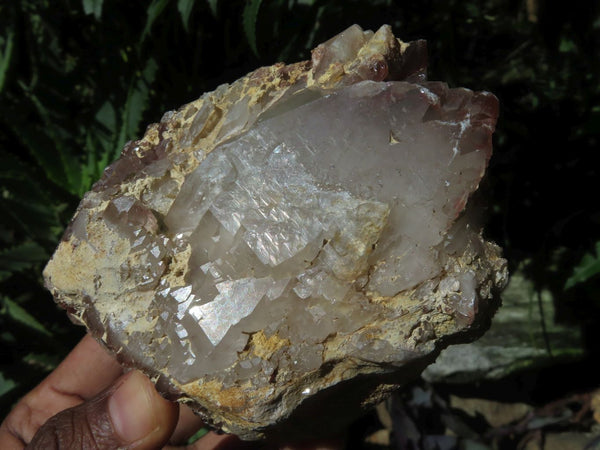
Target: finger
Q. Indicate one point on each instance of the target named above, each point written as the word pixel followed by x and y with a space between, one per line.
pixel 85 372
pixel 129 414
pixel 189 423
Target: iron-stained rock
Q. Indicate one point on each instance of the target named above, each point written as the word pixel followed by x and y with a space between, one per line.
pixel 293 242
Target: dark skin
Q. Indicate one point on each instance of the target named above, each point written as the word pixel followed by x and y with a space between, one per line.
pixel 88 402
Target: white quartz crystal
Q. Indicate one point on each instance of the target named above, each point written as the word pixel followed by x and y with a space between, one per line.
pixel 347 197
pixel 273 232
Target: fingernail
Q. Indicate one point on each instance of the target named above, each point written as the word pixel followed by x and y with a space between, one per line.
pixel 131 409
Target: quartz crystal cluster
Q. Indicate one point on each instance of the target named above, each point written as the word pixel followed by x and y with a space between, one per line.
pixel 290 236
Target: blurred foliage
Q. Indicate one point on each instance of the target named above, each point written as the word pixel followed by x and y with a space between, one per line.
pixel 79 78
pixel 586 269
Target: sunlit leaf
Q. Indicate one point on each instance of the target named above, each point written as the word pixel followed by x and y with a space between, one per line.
pixel 212 4
pixel 249 17
pixel 93 7
pixel 152 13
pixel 197 435
pixel 100 143
pixel 107 116
pixel 185 9
pixel 587 268
pixel 102 139
pixel 6 384
pixel 136 104
pixel 19 314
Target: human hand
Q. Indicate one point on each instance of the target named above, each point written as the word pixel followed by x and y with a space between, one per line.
pixel 87 402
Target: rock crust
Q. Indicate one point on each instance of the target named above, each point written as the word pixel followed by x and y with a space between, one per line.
pixel 294 246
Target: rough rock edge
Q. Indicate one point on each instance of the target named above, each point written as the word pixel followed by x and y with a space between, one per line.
pixel 382 57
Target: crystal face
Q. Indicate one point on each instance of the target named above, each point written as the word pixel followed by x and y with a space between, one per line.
pixel 305 217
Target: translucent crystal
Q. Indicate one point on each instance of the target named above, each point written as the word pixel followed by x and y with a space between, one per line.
pixel 273 231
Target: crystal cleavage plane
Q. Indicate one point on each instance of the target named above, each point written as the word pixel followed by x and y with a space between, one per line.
pixel 294 244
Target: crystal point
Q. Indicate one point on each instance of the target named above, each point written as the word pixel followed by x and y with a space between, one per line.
pixel 299 228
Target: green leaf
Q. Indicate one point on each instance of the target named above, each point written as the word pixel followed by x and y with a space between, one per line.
pixel 100 145
pixel 37 218
pixel 6 385
pixel 42 149
pixel 49 146
pixel 154 10
pixel 19 314
pixel 6 54
pixel 185 9
pixel 100 149
pixel 249 17
pixel 197 435
pixel 88 171
pixel 587 268
pixel 6 337
pixel 567 45
pixel 22 256
pixel 102 140
pixel 137 102
pixel 107 116
pixel 93 7
pixel 212 4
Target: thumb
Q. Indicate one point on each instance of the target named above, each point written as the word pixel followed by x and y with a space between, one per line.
pixel 129 414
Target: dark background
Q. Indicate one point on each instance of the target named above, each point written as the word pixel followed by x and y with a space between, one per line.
pixel 80 78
